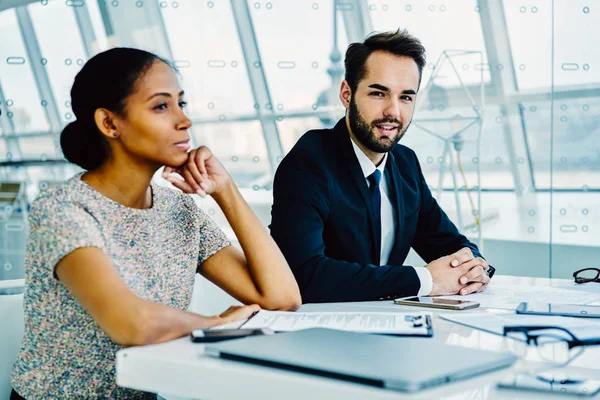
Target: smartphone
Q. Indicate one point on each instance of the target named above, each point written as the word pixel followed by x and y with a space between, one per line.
pixel 567 310
pixel 437 303
pixel 207 336
pixel 540 383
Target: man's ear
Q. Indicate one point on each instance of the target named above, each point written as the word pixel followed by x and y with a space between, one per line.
pixel 105 123
pixel 345 94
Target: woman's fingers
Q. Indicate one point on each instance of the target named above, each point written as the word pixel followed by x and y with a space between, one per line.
pixel 194 168
pixel 180 184
pixel 194 173
pixel 200 158
pixel 189 178
pixel 167 171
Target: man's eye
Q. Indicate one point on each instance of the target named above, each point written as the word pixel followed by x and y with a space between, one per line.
pixel 377 94
pixel 406 98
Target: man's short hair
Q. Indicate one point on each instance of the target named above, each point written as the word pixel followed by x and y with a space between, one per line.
pixel 399 43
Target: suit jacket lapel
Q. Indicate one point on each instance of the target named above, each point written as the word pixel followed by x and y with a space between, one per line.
pixel 356 173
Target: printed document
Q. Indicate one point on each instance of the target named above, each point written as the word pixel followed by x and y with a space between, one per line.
pixel 416 323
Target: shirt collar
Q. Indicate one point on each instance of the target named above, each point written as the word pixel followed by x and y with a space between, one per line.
pixel 365 162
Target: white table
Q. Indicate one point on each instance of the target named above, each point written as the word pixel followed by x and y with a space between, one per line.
pixel 178 369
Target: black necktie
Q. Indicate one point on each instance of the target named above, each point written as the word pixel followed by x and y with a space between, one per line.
pixel 374 180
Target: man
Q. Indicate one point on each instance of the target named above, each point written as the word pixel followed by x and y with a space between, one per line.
pixel 349 203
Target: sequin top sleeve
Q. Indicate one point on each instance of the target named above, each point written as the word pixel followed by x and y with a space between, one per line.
pixel 61 227
pixel 212 238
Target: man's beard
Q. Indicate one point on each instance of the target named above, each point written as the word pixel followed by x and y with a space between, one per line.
pixel 365 132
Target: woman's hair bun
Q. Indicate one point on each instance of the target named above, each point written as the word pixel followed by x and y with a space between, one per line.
pixel 83 145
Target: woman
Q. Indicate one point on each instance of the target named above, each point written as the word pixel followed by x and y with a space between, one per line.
pixel 111 258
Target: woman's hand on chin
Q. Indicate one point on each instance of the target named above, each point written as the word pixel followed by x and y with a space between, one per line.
pixel 202 173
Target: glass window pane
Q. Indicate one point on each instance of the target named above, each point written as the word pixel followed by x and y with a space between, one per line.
pixel 137 24
pixel 20 91
pixel 62 48
pixel 575 146
pixel 429 140
pixel 41 147
pixel 240 147
pixel 39 175
pixel 576 150
pixel 574 62
pixel 295 55
pixel 291 129
pixel 538 132
pixel 213 71
pixel 576 153
pixel 101 43
pixel 463 30
pixel 530 33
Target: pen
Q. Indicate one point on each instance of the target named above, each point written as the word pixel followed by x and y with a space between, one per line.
pixel 244 323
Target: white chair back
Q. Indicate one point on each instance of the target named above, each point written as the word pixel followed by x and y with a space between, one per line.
pixel 11 335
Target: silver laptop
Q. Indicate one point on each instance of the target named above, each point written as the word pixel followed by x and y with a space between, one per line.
pixel 396 363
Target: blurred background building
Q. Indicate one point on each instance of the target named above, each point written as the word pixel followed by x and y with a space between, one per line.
pixel 506 129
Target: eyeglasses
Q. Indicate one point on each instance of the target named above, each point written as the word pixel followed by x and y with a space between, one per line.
pixel 545 334
pixel 554 343
pixel 587 275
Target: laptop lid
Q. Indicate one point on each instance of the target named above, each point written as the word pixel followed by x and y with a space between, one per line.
pixel 397 363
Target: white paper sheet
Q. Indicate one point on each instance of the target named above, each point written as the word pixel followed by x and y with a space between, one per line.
pixel 370 322
pixel 509 296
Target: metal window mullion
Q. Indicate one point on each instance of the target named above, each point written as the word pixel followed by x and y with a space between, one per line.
pixel 163 29
pixel 86 29
pixel 8 4
pixel 125 23
pixel 30 134
pixel 504 80
pixel 258 80
pixel 106 20
pixel 39 71
pixel 357 19
pixel 8 129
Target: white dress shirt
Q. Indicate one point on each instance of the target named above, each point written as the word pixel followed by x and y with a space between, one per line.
pixel 388 222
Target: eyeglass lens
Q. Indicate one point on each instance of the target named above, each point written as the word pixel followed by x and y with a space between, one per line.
pixel 587 275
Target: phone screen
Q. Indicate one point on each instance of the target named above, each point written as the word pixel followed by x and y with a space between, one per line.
pixel 433 300
pixel 552 383
pixel 204 335
pixel 226 332
pixel 570 309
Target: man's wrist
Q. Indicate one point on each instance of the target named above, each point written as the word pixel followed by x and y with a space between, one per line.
pixel 426 280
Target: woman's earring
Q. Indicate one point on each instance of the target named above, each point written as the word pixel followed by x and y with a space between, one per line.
pixel 115 134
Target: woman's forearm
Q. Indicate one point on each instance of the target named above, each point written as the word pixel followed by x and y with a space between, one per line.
pixel 270 272
pixel 165 323
pixel 157 323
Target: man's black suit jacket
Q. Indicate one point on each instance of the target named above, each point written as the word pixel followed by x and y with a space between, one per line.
pixel 322 221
